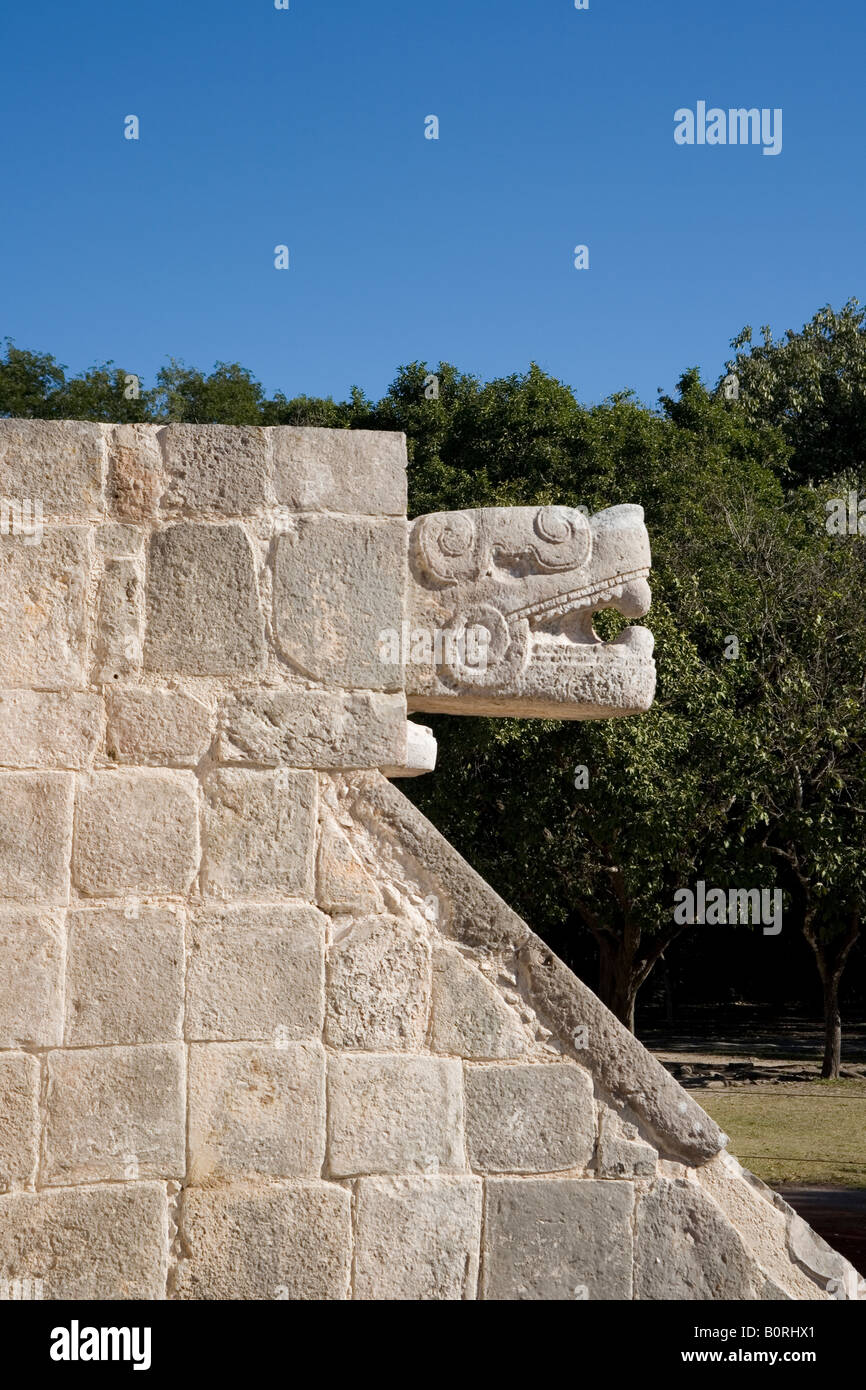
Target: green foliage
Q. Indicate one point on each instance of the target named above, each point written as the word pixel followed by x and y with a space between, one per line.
pixel 812 384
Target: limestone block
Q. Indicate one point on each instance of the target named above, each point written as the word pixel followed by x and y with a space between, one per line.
pixel 558 1239
pixel 417 1238
pixel 256 973
pixel 378 987
pixel 31 979
pixel 136 832
pixel 356 471
pixel 19 1118
pixel 56 463
pixel 342 882
pixel 124 976
pixel 339 582
pixel 43 730
pixel 470 1016
pixel 420 754
pixel 115 1112
pixel 157 726
pixel 43 619
pixel 256 1110
pixel 35 836
pixel 108 1242
pixel 394 1115
pixel 136 472
pixel 118 629
pixel 285 1242
pixel 117 540
pixel 621 1151
pixel 215 468
pixel 529 1119
pixel 314 728
pixel 202 604
pixel 259 833
pixel 685 1249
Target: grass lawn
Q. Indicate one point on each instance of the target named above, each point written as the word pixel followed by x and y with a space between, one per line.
pixel 795 1132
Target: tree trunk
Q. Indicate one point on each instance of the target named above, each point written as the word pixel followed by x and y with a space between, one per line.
pixel 623 969
pixel 831 956
pixel 617 986
pixel 832 1027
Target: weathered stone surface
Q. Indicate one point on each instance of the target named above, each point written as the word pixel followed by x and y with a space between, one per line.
pixel 342 882
pixel 157 726
pixel 118 627
pixel 470 1016
pixel 43 730
pixel 119 541
pixel 136 832
pixel 255 1111
pixel 394 1115
pixel 124 976
pixel 19 1119
pixel 88 1242
pixel 685 1249
pixel 115 1112
pixel 43 619
pixel 313 728
pixel 203 616
pixel 680 1128
pixel 558 1239
pixel 215 468
pixel 358 471
pixel 136 472
pixel 830 1270
pixel 256 973
pixel 57 463
pixel 417 1238
pixel 259 830
pixel 290 1241
pixel 419 756
pixel 529 1119
pixel 621 1151
pixel 475 916
pixel 378 987
pixel 338 584
pixel 35 836
pixel 31 980
pixel 764 1228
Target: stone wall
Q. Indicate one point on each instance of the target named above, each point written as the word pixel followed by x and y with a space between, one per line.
pixel 263 1033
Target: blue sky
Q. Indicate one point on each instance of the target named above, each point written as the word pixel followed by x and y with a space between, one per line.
pixel 305 127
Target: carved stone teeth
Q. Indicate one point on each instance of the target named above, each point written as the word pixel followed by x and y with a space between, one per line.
pixel 562 604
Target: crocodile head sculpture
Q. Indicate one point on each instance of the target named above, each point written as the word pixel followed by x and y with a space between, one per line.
pixel 501 606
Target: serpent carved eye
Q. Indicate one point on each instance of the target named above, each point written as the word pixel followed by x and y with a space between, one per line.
pixel 446 545
pixel 564 537
pixel 456 535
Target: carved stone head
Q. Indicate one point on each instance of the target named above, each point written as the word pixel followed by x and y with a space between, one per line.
pixel 508 595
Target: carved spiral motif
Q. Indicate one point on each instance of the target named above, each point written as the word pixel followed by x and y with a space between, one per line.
pixel 446 545
pixel 471 663
pixel 564 538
